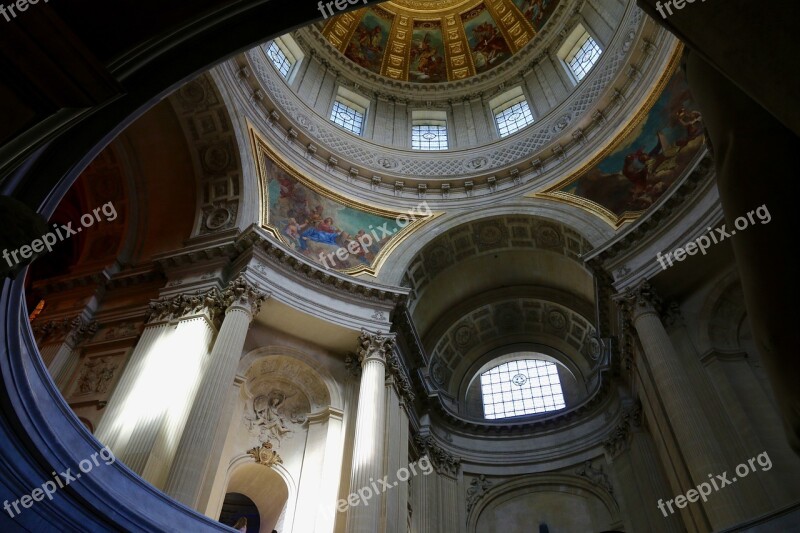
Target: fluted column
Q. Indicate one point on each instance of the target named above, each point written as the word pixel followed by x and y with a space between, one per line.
pixel 398 396
pixel 149 408
pixel 187 474
pixel 701 452
pixel 370 421
pixel 442 512
pixel 640 475
pixel 58 341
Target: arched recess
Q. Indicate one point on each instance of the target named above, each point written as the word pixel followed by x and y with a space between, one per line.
pixel 272 489
pixel 304 427
pixel 563 502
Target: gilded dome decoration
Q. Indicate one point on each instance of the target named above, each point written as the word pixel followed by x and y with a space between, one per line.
pixel 439 41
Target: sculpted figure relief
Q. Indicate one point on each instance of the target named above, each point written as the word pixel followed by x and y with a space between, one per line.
pixel 269 419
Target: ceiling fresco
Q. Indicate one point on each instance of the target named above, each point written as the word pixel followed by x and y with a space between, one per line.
pixel 644 162
pixel 436 41
pixel 331 230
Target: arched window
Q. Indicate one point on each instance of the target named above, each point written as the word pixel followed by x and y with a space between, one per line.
pixel 521 387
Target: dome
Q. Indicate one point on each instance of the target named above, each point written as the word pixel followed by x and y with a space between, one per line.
pixel 436 41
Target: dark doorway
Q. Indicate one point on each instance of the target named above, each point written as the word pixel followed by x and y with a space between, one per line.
pixel 237 506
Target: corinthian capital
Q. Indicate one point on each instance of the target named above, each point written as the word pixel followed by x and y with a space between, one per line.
pixel 374 346
pixel 174 307
pixel 243 294
pixel 640 300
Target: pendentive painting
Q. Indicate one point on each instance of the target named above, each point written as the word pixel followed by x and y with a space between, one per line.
pixel 489 47
pixel 368 43
pixel 536 11
pixel 427 53
pixel 650 158
pixel 325 229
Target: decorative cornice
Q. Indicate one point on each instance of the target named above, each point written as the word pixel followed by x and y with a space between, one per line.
pixel 281 258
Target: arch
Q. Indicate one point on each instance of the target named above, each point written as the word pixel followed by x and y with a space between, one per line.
pixel 296 357
pixel 721 316
pixel 263 485
pixel 572 487
pixel 589 227
pixel 237 507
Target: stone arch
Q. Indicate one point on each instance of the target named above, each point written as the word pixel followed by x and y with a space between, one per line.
pixel 298 360
pixel 547 490
pixel 585 226
pixel 272 489
pixel 722 316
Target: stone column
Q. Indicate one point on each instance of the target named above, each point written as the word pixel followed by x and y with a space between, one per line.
pixel 399 396
pixel 58 341
pixel 149 407
pixel 370 421
pixel 321 472
pixel 640 476
pixel 241 302
pixel 682 405
pixel 443 511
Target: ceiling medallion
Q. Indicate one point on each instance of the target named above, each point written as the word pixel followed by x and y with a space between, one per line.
pixel 519 380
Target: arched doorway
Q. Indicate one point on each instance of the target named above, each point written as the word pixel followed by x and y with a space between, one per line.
pixel 238 506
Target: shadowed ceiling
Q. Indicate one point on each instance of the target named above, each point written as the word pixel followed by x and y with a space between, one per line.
pixel 437 41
